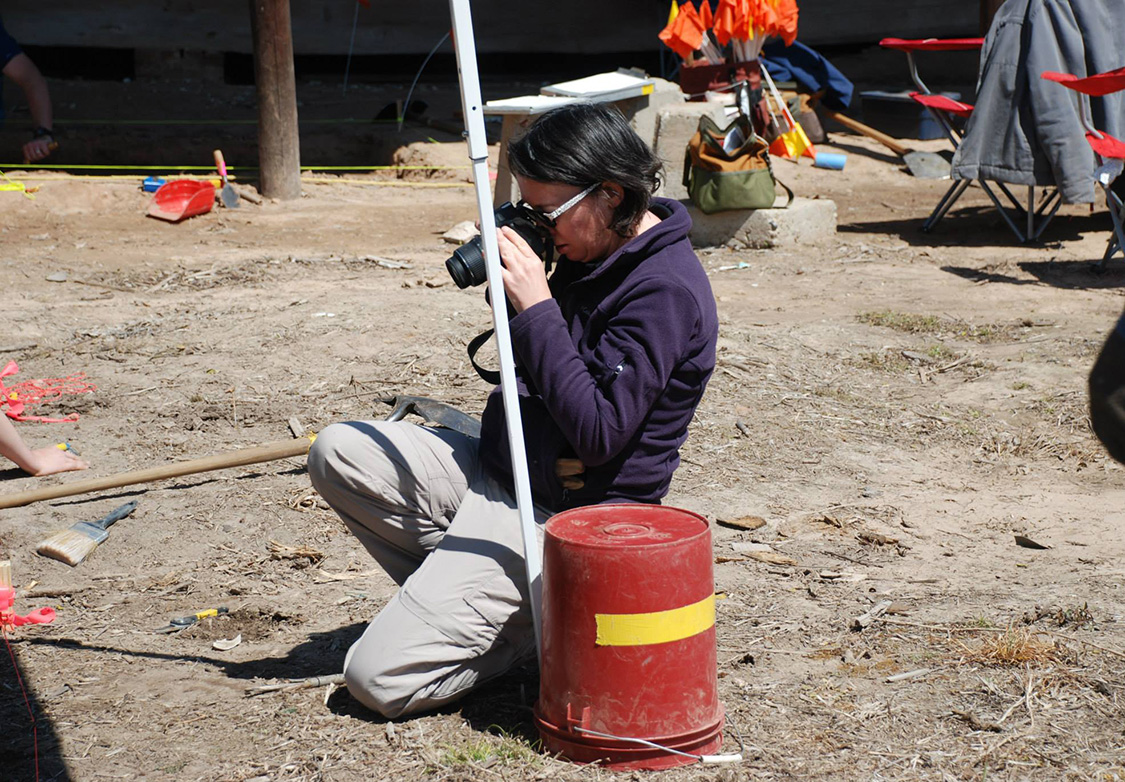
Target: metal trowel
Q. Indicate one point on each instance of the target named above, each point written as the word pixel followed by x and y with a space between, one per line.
pixel 924 165
pixel 227 195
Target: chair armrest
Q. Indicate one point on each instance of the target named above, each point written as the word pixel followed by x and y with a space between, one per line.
pixel 932 44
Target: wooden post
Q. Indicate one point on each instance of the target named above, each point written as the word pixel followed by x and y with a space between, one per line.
pixel 279 150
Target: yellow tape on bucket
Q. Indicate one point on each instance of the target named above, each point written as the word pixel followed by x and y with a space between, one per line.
pixel 655 628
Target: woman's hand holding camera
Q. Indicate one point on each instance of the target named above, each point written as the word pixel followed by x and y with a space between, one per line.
pixel 525 277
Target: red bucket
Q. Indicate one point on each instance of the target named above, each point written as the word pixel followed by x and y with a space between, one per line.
pixel 628 639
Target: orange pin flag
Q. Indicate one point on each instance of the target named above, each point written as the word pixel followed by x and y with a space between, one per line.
pixel 672 35
pixel 705 15
pixel 723 21
pixel 681 35
pixel 787 21
pixel 691 33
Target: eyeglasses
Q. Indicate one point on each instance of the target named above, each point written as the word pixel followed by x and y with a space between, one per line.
pixel 548 219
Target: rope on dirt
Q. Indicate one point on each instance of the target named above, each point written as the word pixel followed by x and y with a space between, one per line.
pixel 14 185
pixel 223 122
pixel 92 167
pixel 19 397
pixel 131 181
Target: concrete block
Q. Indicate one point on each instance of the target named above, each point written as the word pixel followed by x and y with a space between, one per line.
pixel 675 125
pixel 805 221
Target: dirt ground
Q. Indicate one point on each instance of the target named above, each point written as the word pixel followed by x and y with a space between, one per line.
pixel 897 407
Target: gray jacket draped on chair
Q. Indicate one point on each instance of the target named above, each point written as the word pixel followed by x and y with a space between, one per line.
pixel 1024 129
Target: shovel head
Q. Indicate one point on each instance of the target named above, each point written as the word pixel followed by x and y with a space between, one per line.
pixel 928 165
pixel 229 196
pixel 433 412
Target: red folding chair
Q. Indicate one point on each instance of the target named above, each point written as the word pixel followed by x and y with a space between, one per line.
pixel 1109 151
pixel 944 109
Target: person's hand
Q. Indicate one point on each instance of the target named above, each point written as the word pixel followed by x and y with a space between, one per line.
pixel 50 460
pixel 38 148
pixel 525 276
pixel 570 472
pixel 1107 396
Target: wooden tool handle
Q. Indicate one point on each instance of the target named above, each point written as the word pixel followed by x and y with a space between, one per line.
pixel 255 455
pixel 220 163
pixel 867 130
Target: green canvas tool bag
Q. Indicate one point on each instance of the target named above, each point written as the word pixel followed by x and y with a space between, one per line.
pixel 743 178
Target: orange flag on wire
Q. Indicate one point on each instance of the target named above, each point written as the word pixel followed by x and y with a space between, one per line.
pixel 764 13
pixel 692 32
pixel 787 21
pixel 742 23
pixel 705 15
pixel 723 21
pixel 671 34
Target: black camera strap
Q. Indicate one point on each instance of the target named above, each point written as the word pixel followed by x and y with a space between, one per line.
pixel 489 376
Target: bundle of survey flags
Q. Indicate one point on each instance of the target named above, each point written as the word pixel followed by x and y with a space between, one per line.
pixel 743 24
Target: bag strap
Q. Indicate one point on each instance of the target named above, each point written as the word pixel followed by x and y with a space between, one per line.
pixel 773 176
pixel 789 200
pixel 489 376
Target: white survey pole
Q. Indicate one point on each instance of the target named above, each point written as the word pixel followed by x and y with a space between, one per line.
pixel 465 47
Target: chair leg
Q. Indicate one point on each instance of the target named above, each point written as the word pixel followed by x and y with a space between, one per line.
pixel 1047 211
pixel 1117 239
pixel 951 195
pixel 1030 214
pixel 1003 210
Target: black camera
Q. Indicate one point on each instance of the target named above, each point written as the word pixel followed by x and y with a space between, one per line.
pixel 466 265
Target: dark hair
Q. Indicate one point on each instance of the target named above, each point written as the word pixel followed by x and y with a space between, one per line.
pixel 585 144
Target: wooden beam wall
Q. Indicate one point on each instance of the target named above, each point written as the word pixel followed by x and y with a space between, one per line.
pixel 324 26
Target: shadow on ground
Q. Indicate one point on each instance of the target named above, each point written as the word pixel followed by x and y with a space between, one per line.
pixel 1073 275
pixel 981 226
pixel 28 742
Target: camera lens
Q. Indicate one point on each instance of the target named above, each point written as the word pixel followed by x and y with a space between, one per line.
pixel 466 265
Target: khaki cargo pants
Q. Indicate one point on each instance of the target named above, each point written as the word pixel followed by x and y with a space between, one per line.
pixel 419 501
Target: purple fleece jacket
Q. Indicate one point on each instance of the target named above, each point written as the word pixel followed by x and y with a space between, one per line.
pixel 611 369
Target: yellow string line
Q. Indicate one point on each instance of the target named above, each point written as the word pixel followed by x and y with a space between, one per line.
pixel 91 167
pixel 384 183
pixel 142 122
pixel 124 179
pixel 12 185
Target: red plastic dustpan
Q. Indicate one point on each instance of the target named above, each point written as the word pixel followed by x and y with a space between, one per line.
pixel 181 199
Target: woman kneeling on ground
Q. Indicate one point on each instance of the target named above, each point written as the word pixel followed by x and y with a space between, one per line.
pixel 613 354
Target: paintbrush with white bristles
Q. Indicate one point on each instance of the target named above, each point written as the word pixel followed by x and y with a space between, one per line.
pixel 75 544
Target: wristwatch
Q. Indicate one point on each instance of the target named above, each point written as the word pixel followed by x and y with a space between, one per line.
pixel 42 132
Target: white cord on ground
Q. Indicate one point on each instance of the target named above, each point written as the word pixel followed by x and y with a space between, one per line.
pixel 708 759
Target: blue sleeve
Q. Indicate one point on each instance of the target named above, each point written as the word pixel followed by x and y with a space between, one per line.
pixel 8 47
pixel 810 70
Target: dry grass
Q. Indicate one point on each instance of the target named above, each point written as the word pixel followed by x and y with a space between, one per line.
pixel 280 550
pixel 496 748
pixel 1016 646
pixel 942 327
